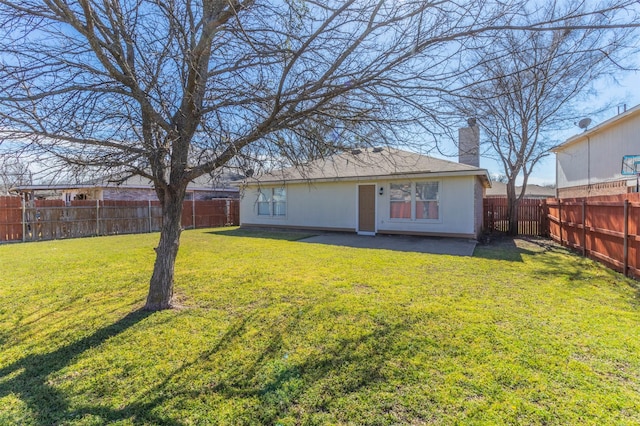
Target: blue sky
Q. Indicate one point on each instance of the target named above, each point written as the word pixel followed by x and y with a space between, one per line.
pixel 628 92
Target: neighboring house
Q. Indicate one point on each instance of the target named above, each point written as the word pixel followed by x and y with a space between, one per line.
pixel 499 190
pixel 369 191
pixel 132 189
pixel 589 164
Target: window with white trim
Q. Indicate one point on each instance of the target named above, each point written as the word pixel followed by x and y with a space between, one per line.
pixel 414 200
pixel 400 199
pixel 264 202
pixel 427 200
pixel 272 202
pixel 279 202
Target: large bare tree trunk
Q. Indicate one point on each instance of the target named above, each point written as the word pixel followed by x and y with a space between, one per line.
pixel 512 208
pixel 161 285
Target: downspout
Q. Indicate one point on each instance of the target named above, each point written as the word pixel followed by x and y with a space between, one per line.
pixel 24 218
pixel 557 166
pixel 193 208
pixel 588 166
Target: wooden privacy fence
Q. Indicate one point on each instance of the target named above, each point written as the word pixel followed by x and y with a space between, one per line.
pixel 211 213
pixel 10 219
pixel 52 219
pixel 604 228
pixel 532 216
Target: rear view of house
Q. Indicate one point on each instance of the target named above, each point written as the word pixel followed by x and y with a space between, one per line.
pixel 370 191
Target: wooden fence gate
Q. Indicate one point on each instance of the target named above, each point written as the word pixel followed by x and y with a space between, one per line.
pixel 532 216
pixel 10 219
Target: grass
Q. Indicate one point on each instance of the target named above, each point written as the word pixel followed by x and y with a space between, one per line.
pixel 275 331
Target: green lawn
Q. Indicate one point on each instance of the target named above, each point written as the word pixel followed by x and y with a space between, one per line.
pixel 275 331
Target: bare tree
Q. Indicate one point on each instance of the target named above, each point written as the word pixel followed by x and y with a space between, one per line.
pixel 171 90
pixel 526 85
pixel 13 172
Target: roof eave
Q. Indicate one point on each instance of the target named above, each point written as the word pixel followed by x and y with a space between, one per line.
pixel 483 174
pixel 597 129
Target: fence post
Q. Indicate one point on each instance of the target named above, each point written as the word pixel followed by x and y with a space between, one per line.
pixel 490 213
pixel 493 204
pixel 24 220
pixel 626 238
pixel 541 216
pixel 193 209
pixel 560 218
pixel 584 227
pixel 97 218
pixel 150 226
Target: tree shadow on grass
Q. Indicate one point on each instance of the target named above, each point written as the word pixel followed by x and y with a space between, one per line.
pixel 44 317
pixel 500 248
pixel 345 365
pixel 351 365
pixel 577 270
pixel 270 234
pixel 28 379
pixel 504 247
pixel 554 260
pixel 260 372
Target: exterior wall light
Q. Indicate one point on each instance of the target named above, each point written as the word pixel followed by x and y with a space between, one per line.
pixel 381 190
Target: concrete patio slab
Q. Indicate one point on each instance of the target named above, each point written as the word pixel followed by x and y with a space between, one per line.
pixel 434 245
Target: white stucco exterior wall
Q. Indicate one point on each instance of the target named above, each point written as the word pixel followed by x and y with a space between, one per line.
pixel 333 206
pixel 326 205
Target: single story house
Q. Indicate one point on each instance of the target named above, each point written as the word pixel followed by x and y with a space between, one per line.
pixel 370 191
pixel 590 163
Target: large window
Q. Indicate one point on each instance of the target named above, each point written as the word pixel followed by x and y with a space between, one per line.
pixel 272 202
pixel 264 202
pixel 415 200
pixel 400 195
pixel 427 200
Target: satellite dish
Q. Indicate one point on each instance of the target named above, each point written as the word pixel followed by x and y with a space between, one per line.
pixel 584 123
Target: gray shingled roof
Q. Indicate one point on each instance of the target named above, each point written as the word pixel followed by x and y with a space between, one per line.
pixel 371 163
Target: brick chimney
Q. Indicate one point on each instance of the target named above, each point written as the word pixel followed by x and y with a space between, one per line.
pixel 469 144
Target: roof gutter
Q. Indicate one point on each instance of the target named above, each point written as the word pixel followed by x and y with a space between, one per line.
pixel 482 173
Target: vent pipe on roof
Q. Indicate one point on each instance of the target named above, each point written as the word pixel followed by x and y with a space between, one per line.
pixel 622 108
pixel 469 144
